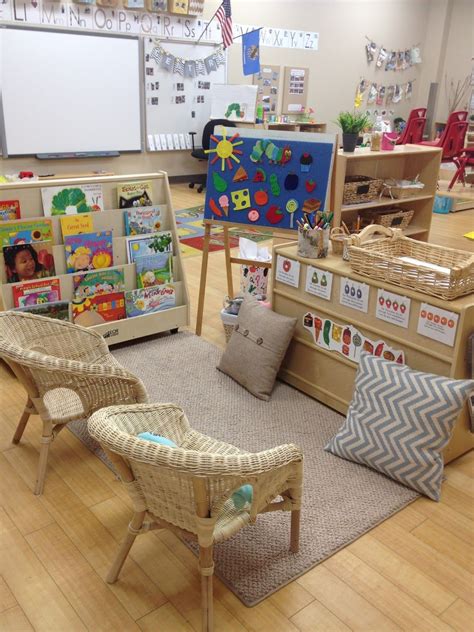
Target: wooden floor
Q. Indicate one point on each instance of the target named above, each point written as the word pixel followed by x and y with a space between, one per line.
pixel 414 572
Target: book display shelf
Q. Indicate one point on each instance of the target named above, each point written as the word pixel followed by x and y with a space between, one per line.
pixel 405 162
pixel 28 194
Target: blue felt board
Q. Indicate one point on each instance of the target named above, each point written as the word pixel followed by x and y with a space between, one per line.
pixel 272 161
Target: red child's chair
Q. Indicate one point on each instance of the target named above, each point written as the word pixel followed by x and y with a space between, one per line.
pixel 453 142
pixel 464 159
pixel 413 132
pixel 454 117
pixel 417 113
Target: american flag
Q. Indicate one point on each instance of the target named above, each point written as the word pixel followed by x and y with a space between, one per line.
pixel 224 15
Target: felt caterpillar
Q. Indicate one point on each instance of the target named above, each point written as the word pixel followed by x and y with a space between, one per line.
pixel 274 154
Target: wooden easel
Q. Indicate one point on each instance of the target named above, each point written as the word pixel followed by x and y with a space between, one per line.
pixel 229 260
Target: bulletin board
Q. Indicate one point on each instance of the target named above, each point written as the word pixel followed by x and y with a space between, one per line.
pixel 268 88
pixel 295 89
pixel 234 102
pixel 174 104
pixel 268 178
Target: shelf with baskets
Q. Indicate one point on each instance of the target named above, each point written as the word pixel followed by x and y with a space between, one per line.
pixel 405 162
pixel 28 193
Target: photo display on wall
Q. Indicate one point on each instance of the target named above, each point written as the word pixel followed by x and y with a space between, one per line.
pixel 269 180
pixel 268 88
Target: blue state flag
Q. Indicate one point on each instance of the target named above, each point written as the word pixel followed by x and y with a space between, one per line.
pixel 251 52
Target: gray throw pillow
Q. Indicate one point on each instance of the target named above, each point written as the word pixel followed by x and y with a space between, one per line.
pixel 399 421
pixel 256 348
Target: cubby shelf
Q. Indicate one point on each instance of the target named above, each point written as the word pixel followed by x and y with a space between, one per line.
pixel 29 195
pixel 404 162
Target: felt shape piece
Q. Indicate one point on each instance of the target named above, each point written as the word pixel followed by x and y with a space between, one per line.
pixel 150 436
pixel 257 347
pixel 399 422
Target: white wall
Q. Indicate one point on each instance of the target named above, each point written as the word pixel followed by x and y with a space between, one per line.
pixel 443 27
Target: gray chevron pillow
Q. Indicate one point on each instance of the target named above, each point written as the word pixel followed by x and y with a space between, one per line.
pixel 399 421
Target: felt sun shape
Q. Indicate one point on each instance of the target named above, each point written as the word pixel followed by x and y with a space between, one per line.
pixel 225 150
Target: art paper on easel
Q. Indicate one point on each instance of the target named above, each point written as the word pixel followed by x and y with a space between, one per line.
pixel 234 102
pixel 267 178
pixel 347 340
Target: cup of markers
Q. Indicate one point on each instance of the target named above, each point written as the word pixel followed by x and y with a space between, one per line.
pixel 313 235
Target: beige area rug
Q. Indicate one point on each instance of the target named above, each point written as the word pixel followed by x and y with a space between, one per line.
pixel 341 500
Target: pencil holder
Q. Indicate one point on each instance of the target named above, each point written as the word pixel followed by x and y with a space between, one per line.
pixel 313 244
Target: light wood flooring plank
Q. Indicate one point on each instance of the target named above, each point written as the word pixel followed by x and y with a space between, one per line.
pixel 164 618
pixel 443 516
pixel 457 500
pixel 464 464
pixel 317 618
pixel 7 600
pixel 37 594
pixel 344 602
pixel 86 591
pixel 135 591
pixel 446 543
pixel 408 518
pixel 380 592
pixel 461 481
pixel 430 561
pixel 291 599
pixel 403 574
pixel 14 620
pixel 460 616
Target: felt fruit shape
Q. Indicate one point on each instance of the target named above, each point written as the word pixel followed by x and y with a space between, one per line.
pixel 214 208
pixel 274 214
pixel 310 185
pixel 260 175
pixel 261 197
pixel 291 182
pixel 253 215
pixel 219 183
pixel 274 185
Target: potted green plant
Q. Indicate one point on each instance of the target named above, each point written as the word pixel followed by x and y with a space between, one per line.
pixel 351 123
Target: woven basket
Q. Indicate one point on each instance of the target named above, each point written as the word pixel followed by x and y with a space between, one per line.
pixel 390 218
pixel 438 271
pixel 359 189
pixel 337 237
pixel 392 189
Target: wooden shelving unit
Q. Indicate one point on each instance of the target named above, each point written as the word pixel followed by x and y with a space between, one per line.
pixel 329 376
pixel 404 162
pixel 29 195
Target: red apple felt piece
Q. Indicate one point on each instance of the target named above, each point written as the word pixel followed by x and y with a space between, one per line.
pixel 310 185
pixel 261 197
pixel 274 214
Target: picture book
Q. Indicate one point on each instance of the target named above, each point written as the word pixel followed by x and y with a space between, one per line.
pixel 80 198
pixel 96 310
pixel 141 245
pixel 9 209
pixel 75 224
pixel 154 269
pixel 89 251
pixel 26 262
pixel 36 293
pixel 149 300
pixel 57 309
pixel 142 221
pixel 25 231
pixel 134 194
pixel 96 283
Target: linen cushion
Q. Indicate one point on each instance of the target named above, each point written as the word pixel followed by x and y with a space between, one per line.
pixel 256 348
pixel 399 421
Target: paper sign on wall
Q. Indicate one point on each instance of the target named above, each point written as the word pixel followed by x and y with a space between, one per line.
pixel 438 324
pixel 288 271
pixel 393 308
pixel 319 282
pixel 354 294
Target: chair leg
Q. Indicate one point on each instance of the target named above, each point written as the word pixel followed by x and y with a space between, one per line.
pixel 295 531
pixel 206 567
pixel 23 421
pixel 43 458
pixel 133 530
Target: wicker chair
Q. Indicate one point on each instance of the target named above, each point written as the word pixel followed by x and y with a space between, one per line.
pixel 67 372
pixel 188 488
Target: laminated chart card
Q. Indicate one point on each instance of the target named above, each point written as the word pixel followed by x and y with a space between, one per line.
pixel 438 324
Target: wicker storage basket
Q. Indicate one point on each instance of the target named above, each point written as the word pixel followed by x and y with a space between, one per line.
pixel 228 321
pixel 435 270
pixel 395 190
pixel 359 189
pixel 337 237
pixel 390 217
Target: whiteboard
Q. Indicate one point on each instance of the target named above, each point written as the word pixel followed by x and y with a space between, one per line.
pixel 234 102
pixel 68 92
pixel 167 114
